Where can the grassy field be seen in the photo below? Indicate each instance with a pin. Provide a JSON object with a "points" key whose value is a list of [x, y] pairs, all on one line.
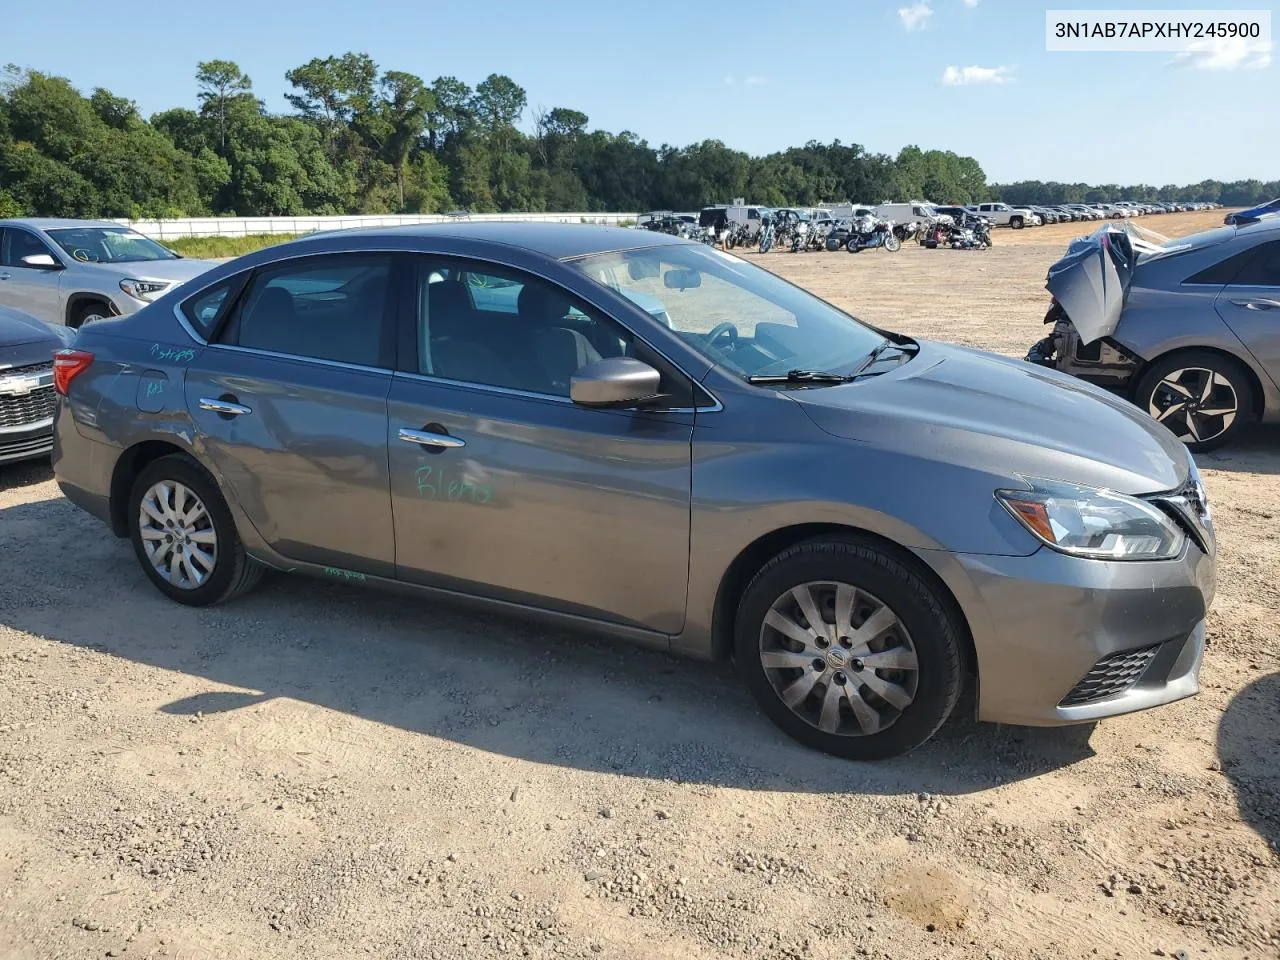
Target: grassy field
{"points": [[212, 248]]}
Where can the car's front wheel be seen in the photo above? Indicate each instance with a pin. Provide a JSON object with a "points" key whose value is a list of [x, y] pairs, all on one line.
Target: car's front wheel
{"points": [[1203, 397], [849, 650], [184, 536]]}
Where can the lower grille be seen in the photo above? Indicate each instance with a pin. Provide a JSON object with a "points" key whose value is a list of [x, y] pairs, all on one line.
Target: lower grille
{"points": [[21, 449], [27, 409], [1110, 676]]}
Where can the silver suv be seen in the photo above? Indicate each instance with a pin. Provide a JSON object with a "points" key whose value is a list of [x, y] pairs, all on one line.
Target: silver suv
{"points": [[76, 271]]}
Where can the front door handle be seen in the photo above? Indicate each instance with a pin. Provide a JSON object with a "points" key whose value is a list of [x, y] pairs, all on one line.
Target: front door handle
{"points": [[441, 441], [1258, 304], [224, 407]]}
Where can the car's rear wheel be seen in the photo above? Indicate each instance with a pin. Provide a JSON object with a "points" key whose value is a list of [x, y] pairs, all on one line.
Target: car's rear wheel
{"points": [[184, 536], [848, 650], [1203, 397], [1016, 223]]}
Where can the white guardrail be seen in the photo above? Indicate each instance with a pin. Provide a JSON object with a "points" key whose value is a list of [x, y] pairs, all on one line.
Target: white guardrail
{"points": [[246, 226]]}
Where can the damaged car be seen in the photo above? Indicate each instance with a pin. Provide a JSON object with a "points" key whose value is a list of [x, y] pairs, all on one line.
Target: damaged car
{"points": [[1186, 329]]}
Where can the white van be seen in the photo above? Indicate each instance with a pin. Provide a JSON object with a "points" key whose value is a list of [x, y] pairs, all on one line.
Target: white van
{"points": [[906, 212]]}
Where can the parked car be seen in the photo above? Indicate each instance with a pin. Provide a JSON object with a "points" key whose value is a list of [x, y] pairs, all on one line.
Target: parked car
{"points": [[1187, 332], [1268, 209], [1084, 212], [26, 384], [905, 212], [74, 272], [1003, 215], [766, 477]]}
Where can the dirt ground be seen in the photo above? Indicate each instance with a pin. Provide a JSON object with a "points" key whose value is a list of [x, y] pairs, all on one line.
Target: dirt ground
{"points": [[320, 772]]}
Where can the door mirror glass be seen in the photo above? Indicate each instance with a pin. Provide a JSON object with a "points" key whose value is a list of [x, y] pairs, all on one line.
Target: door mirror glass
{"points": [[41, 261], [614, 382]]}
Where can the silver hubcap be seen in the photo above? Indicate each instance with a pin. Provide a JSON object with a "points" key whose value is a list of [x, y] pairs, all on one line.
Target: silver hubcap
{"points": [[1195, 403], [177, 534], [839, 658]]}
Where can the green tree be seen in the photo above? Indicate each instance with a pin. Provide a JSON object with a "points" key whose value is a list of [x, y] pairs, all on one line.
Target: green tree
{"points": [[221, 82]]}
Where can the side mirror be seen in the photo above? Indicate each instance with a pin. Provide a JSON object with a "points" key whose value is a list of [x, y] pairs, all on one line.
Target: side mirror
{"points": [[614, 382], [41, 261]]}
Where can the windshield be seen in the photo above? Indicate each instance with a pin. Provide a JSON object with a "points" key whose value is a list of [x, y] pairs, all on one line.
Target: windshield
{"points": [[739, 316], [108, 245]]}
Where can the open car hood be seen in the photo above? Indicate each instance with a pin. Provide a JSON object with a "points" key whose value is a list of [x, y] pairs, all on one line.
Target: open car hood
{"points": [[1092, 280]]}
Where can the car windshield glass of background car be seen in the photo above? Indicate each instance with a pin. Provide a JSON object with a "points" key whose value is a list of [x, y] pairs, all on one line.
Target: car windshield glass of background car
{"points": [[740, 316], [107, 245]]}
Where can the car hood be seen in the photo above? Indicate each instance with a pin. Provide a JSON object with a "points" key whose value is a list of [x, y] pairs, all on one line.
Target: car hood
{"points": [[1005, 417], [25, 340], [175, 271], [18, 328], [1092, 280]]}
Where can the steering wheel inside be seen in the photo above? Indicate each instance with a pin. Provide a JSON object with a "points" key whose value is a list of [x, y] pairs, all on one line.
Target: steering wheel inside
{"points": [[725, 330]]}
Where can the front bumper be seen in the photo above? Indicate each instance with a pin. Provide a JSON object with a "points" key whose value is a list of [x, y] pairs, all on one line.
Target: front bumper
{"points": [[27, 442], [1063, 640]]}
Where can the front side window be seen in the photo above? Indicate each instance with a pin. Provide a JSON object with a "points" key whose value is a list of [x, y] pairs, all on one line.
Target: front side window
{"points": [[108, 245], [16, 244], [325, 308], [497, 328], [739, 316]]}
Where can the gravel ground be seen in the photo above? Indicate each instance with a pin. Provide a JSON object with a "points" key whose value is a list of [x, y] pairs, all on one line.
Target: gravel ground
{"points": [[320, 772]]}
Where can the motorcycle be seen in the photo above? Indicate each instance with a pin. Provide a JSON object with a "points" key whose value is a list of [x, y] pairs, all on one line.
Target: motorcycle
{"points": [[868, 232], [907, 231], [767, 236]]}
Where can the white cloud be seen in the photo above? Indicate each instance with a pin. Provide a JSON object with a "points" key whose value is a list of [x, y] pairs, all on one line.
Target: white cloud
{"points": [[963, 76], [754, 81], [915, 16], [1226, 53], [970, 3]]}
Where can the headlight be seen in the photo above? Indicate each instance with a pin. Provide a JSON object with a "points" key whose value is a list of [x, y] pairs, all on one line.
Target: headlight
{"points": [[1100, 524], [144, 289]]}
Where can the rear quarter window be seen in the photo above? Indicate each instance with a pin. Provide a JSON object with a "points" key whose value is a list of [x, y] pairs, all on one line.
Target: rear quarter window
{"points": [[205, 310]]}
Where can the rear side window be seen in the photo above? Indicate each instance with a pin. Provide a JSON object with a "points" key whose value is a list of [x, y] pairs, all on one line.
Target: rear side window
{"points": [[1251, 267], [325, 308], [209, 306], [1263, 270]]}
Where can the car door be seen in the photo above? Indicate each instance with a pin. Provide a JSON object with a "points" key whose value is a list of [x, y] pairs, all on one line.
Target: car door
{"points": [[33, 290], [501, 486], [1250, 305], [290, 402]]}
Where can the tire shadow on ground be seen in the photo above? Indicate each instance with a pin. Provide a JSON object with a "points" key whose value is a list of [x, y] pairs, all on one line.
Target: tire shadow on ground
{"points": [[1249, 752]]}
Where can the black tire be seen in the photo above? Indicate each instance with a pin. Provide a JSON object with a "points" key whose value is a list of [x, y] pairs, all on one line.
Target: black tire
{"points": [[234, 572], [88, 312], [853, 245], [1233, 383], [933, 629], [1016, 223]]}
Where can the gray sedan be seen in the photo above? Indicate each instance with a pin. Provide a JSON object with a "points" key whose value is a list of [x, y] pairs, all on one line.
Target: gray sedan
{"points": [[1187, 329], [487, 413]]}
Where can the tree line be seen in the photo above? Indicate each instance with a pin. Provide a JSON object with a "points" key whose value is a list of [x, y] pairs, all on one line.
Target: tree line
{"points": [[363, 140]]}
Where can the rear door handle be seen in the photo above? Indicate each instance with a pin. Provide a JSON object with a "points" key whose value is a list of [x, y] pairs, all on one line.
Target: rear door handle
{"points": [[224, 407], [1258, 304], [428, 439]]}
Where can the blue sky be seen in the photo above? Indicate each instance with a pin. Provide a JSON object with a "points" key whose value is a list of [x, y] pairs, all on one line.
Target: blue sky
{"points": [[757, 75]]}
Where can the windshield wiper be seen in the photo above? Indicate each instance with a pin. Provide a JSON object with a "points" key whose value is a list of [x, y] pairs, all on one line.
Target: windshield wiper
{"points": [[802, 376], [884, 347]]}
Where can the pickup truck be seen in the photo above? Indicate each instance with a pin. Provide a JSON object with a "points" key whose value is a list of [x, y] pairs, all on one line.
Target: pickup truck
{"points": [[1003, 215]]}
